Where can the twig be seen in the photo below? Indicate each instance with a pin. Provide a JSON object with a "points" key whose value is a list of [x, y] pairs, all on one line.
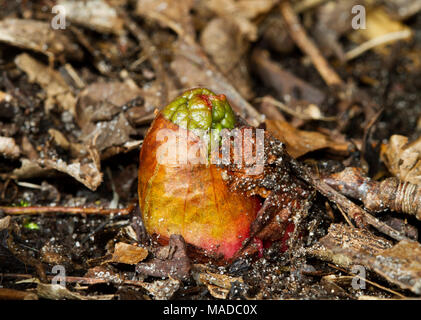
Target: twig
{"points": [[372, 43], [292, 112], [390, 193], [359, 215], [68, 210], [80, 280], [10, 294], [299, 35], [346, 217]]}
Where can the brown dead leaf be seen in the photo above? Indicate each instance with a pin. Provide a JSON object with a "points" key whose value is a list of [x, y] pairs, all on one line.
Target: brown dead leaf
{"points": [[334, 20], [97, 15], [224, 44], [242, 13], [403, 159], [86, 170], [171, 260], [57, 90], [38, 36], [300, 142], [128, 253], [167, 12]]}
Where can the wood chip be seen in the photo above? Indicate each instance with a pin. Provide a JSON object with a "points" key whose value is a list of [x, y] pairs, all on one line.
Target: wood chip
{"points": [[128, 253]]}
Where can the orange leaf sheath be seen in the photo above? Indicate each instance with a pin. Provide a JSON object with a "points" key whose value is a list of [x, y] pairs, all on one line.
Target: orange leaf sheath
{"points": [[191, 199]]}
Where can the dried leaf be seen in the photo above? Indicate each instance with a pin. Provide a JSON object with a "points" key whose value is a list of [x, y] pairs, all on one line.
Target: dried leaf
{"points": [[242, 13], [203, 275], [334, 19], [175, 263], [58, 91], [173, 11], [224, 44], [94, 14], [300, 142], [128, 253], [403, 159], [102, 120], [193, 69], [87, 172], [38, 36]]}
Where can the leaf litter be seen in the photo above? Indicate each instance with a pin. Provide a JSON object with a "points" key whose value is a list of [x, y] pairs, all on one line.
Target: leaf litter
{"points": [[76, 103]]}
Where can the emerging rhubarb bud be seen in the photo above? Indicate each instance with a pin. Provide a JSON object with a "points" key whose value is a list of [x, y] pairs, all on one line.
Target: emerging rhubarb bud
{"points": [[200, 109], [190, 198]]}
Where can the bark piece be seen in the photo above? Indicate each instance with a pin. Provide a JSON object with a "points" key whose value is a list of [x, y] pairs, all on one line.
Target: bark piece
{"points": [[377, 196], [343, 244], [399, 264]]}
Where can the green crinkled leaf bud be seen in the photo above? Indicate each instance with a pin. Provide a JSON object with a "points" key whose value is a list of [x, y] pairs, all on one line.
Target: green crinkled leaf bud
{"points": [[200, 109]]}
